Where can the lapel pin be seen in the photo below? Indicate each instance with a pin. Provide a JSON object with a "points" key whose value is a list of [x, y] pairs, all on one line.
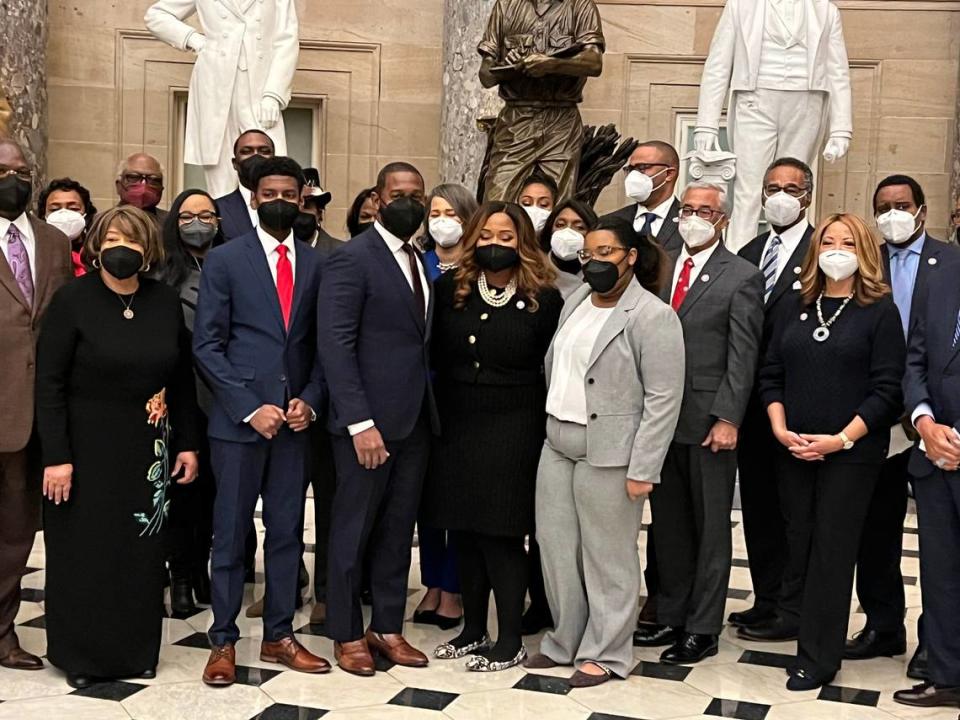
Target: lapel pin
{"points": [[521, 304], [705, 278], [803, 317], [796, 285], [932, 261], [796, 270]]}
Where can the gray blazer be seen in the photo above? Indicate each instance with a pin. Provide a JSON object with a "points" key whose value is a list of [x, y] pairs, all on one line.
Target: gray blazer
{"points": [[722, 318], [633, 383]]}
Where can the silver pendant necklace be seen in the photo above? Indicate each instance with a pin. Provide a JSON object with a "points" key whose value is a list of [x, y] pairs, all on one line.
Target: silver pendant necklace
{"points": [[127, 306], [823, 332]]}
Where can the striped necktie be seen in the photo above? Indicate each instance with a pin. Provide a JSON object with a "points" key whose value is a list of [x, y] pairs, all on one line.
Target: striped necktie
{"points": [[771, 259], [956, 332]]}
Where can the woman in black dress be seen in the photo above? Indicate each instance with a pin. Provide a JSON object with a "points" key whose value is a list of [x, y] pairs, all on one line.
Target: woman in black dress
{"points": [[831, 384], [494, 319], [116, 412]]}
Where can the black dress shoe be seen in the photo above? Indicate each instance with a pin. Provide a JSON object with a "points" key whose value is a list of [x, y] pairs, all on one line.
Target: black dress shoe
{"points": [[535, 620], [929, 695], [181, 596], [366, 597], [148, 674], [79, 682], [770, 631], [918, 669], [870, 643], [249, 575], [753, 616], [690, 648], [304, 576], [656, 636], [201, 585], [805, 680]]}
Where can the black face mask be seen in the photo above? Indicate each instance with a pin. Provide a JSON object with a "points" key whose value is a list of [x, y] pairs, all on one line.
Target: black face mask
{"points": [[568, 266], [305, 226], [121, 262], [496, 257], [601, 276], [360, 227], [278, 215], [14, 195], [245, 170], [403, 216]]}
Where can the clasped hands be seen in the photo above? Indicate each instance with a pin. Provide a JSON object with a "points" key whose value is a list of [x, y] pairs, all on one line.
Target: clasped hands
{"points": [[941, 443], [535, 65], [810, 447], [58, 479], [268, 419]]}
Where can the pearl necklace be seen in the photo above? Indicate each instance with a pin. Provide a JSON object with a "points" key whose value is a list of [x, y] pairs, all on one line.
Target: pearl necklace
{"points": [[492, 299], [444, 267]]}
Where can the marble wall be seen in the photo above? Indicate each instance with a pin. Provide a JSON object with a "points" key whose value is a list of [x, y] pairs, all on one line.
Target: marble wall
{"points": [[375, 66]]}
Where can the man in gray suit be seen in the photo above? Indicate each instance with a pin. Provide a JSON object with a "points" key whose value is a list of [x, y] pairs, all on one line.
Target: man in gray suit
{"points": [[719, 299]]}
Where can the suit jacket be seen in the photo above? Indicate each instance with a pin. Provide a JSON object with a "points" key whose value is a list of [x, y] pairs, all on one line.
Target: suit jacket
{"points": [[722, 319], [374, 342], [935, 255], [669, 236], [234, 215], [326, 243], [633, 383], [242, 350], [733, 63], [933, 366], [20, 327]]}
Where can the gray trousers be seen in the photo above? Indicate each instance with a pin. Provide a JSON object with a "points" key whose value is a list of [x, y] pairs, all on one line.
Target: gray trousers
{"points": [[691, 510], [588, 528]]}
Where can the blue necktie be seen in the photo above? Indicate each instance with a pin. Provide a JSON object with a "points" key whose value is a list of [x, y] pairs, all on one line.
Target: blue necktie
{"points": [[771, 258], [649, 219], [956, 332], [902, 287]]}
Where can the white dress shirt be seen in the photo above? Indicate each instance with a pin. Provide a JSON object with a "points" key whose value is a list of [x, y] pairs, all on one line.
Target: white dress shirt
{"points": [[699, 260], [247, 195], [789, 240], [395, 245], [22, 224], [567, 399], [660, 211]]}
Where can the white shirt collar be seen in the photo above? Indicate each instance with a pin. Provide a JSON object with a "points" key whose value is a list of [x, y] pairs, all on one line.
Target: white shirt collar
{"points": [[246, 194], [700, 259], [270, 243], [22, 223], [790, 237], [660, 210], [393, 242]]}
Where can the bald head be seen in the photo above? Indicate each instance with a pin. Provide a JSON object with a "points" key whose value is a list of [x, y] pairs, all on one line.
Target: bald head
{"points": [[11, 154], [142, 163]]}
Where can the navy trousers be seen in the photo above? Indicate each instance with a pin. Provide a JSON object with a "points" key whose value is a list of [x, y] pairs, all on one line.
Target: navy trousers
{"points": [[275, 470]]}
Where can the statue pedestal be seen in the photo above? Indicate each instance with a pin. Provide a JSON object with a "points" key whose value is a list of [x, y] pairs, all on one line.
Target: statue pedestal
{"points": [[714, 166]]}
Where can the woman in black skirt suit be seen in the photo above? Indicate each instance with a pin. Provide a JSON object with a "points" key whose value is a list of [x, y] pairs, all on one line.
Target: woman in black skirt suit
{"points": [[493, 322], [116, 413]]}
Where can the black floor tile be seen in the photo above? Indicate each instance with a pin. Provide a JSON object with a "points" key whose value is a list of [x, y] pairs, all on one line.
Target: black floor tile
{"points": [[909, 580], [289, 712], [605, 716], [29, 570], [854, 696], [910, 553], [116, 690], [31, 595], [310, 547], [767, 659], [254, 676], [740, 562], [382, 664], [544, 684], [737, 709], [37, 622], [738, 594], [424, 699], [197, 640], [661, 671]]}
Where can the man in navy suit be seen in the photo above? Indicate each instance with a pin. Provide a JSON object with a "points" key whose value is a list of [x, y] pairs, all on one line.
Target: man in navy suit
{"points": [[237, 216], [932, 393], [255, 344], [375, 310]]}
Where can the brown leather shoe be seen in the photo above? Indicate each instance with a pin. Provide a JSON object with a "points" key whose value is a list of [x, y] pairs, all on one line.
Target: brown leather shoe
{"points": [[318, 616], [354, 657], [221, 669], [20, 659], [287, 651], [396, 649], [255, 610]]}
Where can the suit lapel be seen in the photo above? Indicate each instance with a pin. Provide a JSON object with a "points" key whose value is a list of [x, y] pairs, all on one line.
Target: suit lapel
{"points": [[10, 282], [299, 279], [43, 257], [397, 278], [951, 326], [261, 269], [929, 263], [705, 279], [666, 292], [669, 236], [790, 275], [617, 320]]}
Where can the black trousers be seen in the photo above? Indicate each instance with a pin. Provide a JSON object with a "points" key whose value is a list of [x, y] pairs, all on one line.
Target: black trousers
{"points": [[763, 524], [499, 564], [375, 512], [879, 580], [938, 517], [190, 526], [824, 505], [323, 479]]}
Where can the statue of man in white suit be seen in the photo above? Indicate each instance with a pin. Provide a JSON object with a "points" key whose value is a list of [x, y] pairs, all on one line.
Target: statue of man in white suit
{"points": [[246, 58], [784, 65]]}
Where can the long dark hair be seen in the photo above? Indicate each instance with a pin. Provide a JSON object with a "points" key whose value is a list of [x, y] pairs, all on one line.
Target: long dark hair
{"points": [[353, 214], [178, 261], [651, 264], [582, 209]]}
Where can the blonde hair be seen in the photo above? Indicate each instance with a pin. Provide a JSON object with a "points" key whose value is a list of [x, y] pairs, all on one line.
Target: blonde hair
{"points": [[133, 222], [868, 284]]}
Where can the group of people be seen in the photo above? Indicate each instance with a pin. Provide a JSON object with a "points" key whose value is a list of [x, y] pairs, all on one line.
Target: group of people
{"points": [[508, 380]]}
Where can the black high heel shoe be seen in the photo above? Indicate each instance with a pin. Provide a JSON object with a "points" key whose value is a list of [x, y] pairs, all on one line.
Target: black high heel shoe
{"points": [[80, 682]]}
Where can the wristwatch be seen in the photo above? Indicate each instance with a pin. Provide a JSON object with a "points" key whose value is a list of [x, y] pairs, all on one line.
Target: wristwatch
{"points": [[847, 442]]}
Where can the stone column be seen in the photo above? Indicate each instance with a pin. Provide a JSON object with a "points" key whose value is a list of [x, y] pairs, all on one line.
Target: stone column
{"points": [[955, 175], [465, 101], [23, 77]]}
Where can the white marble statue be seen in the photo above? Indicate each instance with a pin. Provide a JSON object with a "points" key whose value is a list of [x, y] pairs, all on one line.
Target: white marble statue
{"points": [[784, 65], [246, 57]]}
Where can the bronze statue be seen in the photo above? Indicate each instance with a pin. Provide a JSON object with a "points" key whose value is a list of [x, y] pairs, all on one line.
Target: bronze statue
{"points": [[5, 114], [540, 53]]}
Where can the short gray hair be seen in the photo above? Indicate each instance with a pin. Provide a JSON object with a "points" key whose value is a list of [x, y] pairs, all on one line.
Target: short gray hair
{"points": [[123, 167], [796, 164], [704, 185]]}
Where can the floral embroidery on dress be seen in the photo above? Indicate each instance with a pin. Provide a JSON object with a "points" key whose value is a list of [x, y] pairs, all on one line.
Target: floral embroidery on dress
{"points": [[158, 473]]}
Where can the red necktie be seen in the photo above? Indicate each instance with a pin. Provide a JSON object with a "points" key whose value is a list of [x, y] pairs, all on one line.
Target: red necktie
{"points": [[284, 283], [683, 284]]}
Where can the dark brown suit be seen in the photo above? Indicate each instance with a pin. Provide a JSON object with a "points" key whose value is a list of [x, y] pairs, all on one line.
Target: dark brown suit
{"points": [[19, 491]]}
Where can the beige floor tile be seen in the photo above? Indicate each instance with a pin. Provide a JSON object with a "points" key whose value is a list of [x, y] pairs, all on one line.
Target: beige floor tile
{"points": [[334, 691], [195, 700], [643, 697], [752, 683], [22, 685], [62, 708], [823, 710], [384, 712], [515, 704]]}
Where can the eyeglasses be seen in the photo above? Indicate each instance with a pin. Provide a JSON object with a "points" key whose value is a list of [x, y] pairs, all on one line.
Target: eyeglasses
{"points": [[604, 251], [643, 167], [132, 178], [792, 190], [206, 216], [25, 174], [704, 212]]}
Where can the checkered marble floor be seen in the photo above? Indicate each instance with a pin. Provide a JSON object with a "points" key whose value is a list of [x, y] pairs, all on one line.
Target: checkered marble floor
{"points": [[745, 680]]}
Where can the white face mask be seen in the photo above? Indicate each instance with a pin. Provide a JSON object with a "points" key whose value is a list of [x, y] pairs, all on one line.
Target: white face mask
{"points": [[538, 216], [695, 231], [838, 264], [566, 243], [639, 187], [782, 209], [897, 226], [69, 222], [445, 231]]}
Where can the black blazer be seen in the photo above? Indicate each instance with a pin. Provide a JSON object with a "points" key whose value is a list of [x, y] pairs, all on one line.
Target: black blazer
{"points": [[933, 257], [374, 343], [669, 236], [234, 215]]}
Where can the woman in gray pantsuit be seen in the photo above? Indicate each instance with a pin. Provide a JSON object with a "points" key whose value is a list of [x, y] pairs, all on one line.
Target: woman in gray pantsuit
{"points": [[615, 382]]}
